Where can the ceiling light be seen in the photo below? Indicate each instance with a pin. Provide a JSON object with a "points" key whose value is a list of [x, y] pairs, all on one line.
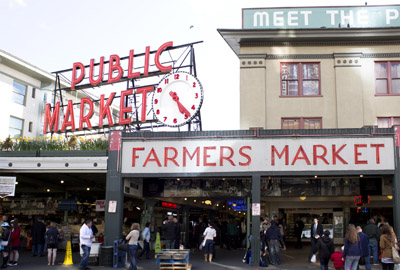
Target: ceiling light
{"points": [[138, 208], [48, 190], [208, 202], [303, 198], [223, 179], [87, 189], [178, 179], [315, 176], [361, 175], [389, 197], [16, 183], [62, 181], [194, 200], [185, 199]]}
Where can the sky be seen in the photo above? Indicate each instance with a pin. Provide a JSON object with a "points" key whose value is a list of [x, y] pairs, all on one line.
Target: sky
{"points": [[52, 35]]}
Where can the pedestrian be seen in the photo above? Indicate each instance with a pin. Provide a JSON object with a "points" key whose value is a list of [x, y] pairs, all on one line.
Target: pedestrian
{"points": [[133, 237], [38, 231], [232, 232], [169, 229], [364, 248], [146, 241], [52, 243], [274, 241], [336, 257], [177, 232], [352, 248], [86, 239], [15, 242], [298, 231], [316, 232], [325, 249], [374, 234], [6, 236], [209, 234], [386, 242]]}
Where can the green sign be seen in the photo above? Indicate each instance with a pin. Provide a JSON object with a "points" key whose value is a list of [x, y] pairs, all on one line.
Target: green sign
{"points": [[322, 17]]}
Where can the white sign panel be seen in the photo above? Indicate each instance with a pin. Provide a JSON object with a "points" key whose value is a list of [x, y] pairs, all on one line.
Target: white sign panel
{"points": [[255, 209], [112, 206], [251, 155], [7, 186]]}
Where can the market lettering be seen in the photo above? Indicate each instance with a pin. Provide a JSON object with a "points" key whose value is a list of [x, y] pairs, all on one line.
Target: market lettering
{"points": [[176, 157], [279, 18]]}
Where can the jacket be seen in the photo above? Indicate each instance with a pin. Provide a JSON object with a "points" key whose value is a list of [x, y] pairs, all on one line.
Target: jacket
{"points": [[337, 259], [16, 237], [169, 229], [319, 231], [38, 231], [6, 236], [386, 245], [373, 232], [85, 234], [351, 249], [325, 247], [52, 233], [364, 243], [273, 233]]}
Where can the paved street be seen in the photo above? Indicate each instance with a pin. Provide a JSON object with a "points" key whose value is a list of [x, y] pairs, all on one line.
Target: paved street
{"points": [[290, 259]]}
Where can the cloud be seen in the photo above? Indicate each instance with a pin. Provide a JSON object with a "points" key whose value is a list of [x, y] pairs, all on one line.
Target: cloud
{"points": [[20, 3]]}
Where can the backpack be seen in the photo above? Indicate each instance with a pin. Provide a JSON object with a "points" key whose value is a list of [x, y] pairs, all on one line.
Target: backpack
{"points": [[51, 240]]}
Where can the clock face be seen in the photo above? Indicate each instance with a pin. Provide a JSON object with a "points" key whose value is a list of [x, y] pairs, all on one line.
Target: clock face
{"points": [[177, 99]]}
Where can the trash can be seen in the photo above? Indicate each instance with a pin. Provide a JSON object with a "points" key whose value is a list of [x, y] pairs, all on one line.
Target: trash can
{"points": [[106, 256]]}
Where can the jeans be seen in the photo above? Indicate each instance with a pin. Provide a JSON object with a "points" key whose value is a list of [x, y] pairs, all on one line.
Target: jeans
{"points": [[367, 260], [132, 252], [374, 247], [350, 263], [85, 257], [324, 263], [146, 249], [39, 248], [274, 252], [170, 244], [209, 247]]}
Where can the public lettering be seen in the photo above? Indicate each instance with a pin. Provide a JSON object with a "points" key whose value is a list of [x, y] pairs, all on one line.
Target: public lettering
{"points": [[173, 158], [248, 157], [85, 118], [301, 154], [228, 158], [152, 157], [377, 153], [69, 112], [357, 154], [51, 120], [105, 110], [322, 156], [134, 156], [186, 153], [206, 156], [123, 109], [335, 154], [284, 151]]}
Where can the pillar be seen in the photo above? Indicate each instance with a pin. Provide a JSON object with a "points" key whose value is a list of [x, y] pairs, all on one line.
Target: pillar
{"points": [[255, 211], [114, 192], [248, 226], [396, 184]]}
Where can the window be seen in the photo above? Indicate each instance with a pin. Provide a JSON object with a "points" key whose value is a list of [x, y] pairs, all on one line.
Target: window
{"points": [[33, 92], [301, 123], [30, 126], [387, 78], [300, 79], [19, 92], [387, 122], [16, 127]]}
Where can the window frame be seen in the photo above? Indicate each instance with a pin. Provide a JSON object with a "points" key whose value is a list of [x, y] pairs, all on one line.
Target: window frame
{"points": [[16, 93], [22, 128], [390, 118], [300, 79], [301, 121], [388, 78]]}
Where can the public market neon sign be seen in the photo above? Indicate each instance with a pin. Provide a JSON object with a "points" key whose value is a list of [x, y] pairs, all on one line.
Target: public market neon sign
{"points": [[115, 73]]}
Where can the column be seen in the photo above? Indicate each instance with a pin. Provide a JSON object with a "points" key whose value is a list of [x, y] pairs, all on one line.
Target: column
{"points": [[255, 229], [396, 184], [114, 193]]}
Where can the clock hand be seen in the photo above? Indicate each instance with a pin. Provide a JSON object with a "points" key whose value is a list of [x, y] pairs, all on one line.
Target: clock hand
{"points": [[181, 108]]}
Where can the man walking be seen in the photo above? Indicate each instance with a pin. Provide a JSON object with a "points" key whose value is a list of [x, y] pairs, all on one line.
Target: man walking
{"points": [[274, 240], [298, 231], [146, 241], [373, 233], [85, 239], [169, 230], [316, 232], [38, 231], [364, 248]]}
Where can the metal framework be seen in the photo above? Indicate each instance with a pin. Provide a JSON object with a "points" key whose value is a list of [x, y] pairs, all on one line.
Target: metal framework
{"points": [[182, 58]]}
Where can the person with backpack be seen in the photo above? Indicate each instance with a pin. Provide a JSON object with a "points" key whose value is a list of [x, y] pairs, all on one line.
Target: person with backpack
{"points": [[52, 243], [325, 249]]}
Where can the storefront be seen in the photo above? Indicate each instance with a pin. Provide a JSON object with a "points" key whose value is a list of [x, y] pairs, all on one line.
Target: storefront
{"points": [[322, 173]]}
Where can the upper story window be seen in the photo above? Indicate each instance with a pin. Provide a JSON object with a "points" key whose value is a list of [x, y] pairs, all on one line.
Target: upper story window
{"points": [[300, 79], [387, 122], [19, 93], [16, 127], [301, 123], [387, 78]]}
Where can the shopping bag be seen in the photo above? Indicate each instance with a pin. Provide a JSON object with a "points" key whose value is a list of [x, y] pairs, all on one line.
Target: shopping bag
{"points": [[397, 267], [123, 246], [314, 258], [396, 257]]}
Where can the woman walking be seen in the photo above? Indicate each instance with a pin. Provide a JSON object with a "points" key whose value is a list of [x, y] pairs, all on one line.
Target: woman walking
{"points": [[15, 242], [352, 248], [209, 235], [325, 248], [133, 237], [52, 243], [6, 237], [386, 242]]}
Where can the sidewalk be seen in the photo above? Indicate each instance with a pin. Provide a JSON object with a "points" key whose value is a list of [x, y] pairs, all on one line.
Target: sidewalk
{"points": [[226, 260]]}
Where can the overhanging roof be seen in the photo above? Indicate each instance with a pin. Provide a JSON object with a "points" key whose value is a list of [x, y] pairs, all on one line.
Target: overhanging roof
{"points": [[239, 37]]}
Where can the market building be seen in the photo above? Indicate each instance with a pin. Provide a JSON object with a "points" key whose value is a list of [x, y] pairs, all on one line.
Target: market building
{"points": [[318, 114]]}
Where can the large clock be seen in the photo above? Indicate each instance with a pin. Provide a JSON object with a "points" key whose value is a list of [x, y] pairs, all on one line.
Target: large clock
{"points": [[177, 99]]}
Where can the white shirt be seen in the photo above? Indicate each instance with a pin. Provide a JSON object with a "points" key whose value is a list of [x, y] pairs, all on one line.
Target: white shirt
{"points": [[84, 235], [146, 234], [210, 233]]}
